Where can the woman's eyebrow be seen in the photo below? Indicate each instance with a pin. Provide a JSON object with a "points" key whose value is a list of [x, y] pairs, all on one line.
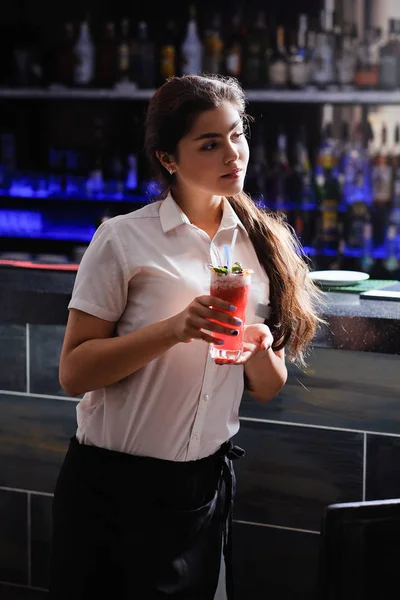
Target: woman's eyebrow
{"points": [[210, 134]]}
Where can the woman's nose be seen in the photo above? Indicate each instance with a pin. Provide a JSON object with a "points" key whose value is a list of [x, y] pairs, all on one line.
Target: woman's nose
{"points": [[231, 154]]}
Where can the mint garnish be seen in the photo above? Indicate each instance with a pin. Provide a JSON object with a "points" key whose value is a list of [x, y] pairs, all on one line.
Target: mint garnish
{"points": [[237, 269]]}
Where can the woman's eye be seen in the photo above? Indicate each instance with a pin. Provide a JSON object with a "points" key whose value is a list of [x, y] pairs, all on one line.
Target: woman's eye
{"points": [[210, 146], [238, 135]]}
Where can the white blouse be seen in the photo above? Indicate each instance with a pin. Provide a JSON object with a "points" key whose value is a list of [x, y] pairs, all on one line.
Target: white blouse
{"points": [[141, 268]]}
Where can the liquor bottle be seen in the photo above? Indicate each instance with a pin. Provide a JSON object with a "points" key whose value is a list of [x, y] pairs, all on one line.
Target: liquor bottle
{"points": [[213, 47], [64, 58], [329, 194], [131, 178], [357, 190], [397, 50], [278, 67], [392, 241], [258, 169], [106, 58], [367, 260], [124, 62], [280, 174], [299, 71], [367, 76], [132, 166], [192, 46], [233, 59], [257, 52], [327, 153], [310, 50], [343, 152], [84, 53], [329, 234], [346, 57], [143, 58], [323, 66], [382, 178], [396, 154], [302, 191], [168, 52], [388, 60]]}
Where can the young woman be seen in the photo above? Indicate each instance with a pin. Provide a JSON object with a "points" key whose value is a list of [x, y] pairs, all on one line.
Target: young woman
{"points": [[143, 501]]}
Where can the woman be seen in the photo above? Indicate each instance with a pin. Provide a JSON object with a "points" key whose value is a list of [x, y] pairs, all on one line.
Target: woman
{"points": [[143, 496]]}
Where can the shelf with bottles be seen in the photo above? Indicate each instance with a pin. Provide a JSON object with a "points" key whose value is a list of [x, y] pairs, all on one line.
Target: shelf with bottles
{"points": [[305, 59], [50, 188], [304, 96], [95, 168], [344, 203]]}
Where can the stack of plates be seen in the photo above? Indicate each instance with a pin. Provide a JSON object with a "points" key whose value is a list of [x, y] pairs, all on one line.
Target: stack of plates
{"points": [[338, 278]]}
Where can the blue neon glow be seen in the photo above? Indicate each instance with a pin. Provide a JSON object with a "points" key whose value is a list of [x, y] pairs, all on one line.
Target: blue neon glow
{"points": [[19, 191]]}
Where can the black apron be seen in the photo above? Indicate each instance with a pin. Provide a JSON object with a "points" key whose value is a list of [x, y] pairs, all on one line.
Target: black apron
{"points": [[138, 528]]}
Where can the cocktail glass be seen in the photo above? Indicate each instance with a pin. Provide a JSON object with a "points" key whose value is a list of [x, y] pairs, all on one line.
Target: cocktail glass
{"points": [[235, 289]]}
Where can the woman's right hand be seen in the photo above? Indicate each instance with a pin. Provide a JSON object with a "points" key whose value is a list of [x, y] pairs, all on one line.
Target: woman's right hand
{"points": [[192, 322]]}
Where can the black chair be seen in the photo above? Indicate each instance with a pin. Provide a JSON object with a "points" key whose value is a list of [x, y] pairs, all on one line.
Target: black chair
{"points": [[359, 555]]}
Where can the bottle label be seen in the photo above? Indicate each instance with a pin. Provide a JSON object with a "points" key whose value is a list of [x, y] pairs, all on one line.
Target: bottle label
{"points": [[191, 61], [233, 62], [326, 161], [381, 183], [358, 215], [167, 61], [84, 67], [278, 73], [123, 57], [214, 46], [366, 78], [329, 220], [346, 70], [323, 64], [388, 72], [299, 74]]}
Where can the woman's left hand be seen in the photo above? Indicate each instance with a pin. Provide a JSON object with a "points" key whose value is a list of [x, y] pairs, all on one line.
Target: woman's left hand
{"points": [[256, 338]]}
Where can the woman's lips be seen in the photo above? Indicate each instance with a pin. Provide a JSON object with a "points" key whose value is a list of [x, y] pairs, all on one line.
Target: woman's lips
{"points": [[235, 174]]}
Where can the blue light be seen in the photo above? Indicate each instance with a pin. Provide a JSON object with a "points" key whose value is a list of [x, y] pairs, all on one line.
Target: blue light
{"points": [[51, 189], [32, 224]]}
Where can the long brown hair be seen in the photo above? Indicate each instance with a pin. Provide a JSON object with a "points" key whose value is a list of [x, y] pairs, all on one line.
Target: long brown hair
{"points": [[294, 298]]}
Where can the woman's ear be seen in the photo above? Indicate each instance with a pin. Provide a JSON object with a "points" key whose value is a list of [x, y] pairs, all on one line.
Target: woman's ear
{"points": [[166, 161]]}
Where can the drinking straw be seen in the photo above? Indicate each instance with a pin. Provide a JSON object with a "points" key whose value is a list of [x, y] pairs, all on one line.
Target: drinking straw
{"points": [[227, 257], [230, 254]]}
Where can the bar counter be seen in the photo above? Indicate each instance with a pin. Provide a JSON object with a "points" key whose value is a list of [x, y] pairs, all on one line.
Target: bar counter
{"points": [[331, 435], [40, 296]]}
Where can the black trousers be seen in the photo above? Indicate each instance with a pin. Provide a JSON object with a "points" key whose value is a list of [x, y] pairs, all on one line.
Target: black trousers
{"points": [[129, 527]]}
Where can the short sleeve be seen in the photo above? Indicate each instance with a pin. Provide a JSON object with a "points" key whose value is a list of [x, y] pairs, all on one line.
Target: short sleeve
{"points": [[101, 284]]}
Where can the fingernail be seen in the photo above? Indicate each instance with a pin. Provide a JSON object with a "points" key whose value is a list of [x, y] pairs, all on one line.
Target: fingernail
{"points": [[234, 332], [232, 308], [238, 321], [220, 342]]}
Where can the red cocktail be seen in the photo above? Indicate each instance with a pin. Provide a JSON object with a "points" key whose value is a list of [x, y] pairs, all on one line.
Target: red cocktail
{"points": [[233, 287]]}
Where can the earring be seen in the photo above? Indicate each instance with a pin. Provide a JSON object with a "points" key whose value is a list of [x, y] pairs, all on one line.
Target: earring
{"points": [[171, 171]]}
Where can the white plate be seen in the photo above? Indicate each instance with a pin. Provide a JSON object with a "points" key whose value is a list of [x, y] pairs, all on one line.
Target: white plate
{"points": [[338, 278]]}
